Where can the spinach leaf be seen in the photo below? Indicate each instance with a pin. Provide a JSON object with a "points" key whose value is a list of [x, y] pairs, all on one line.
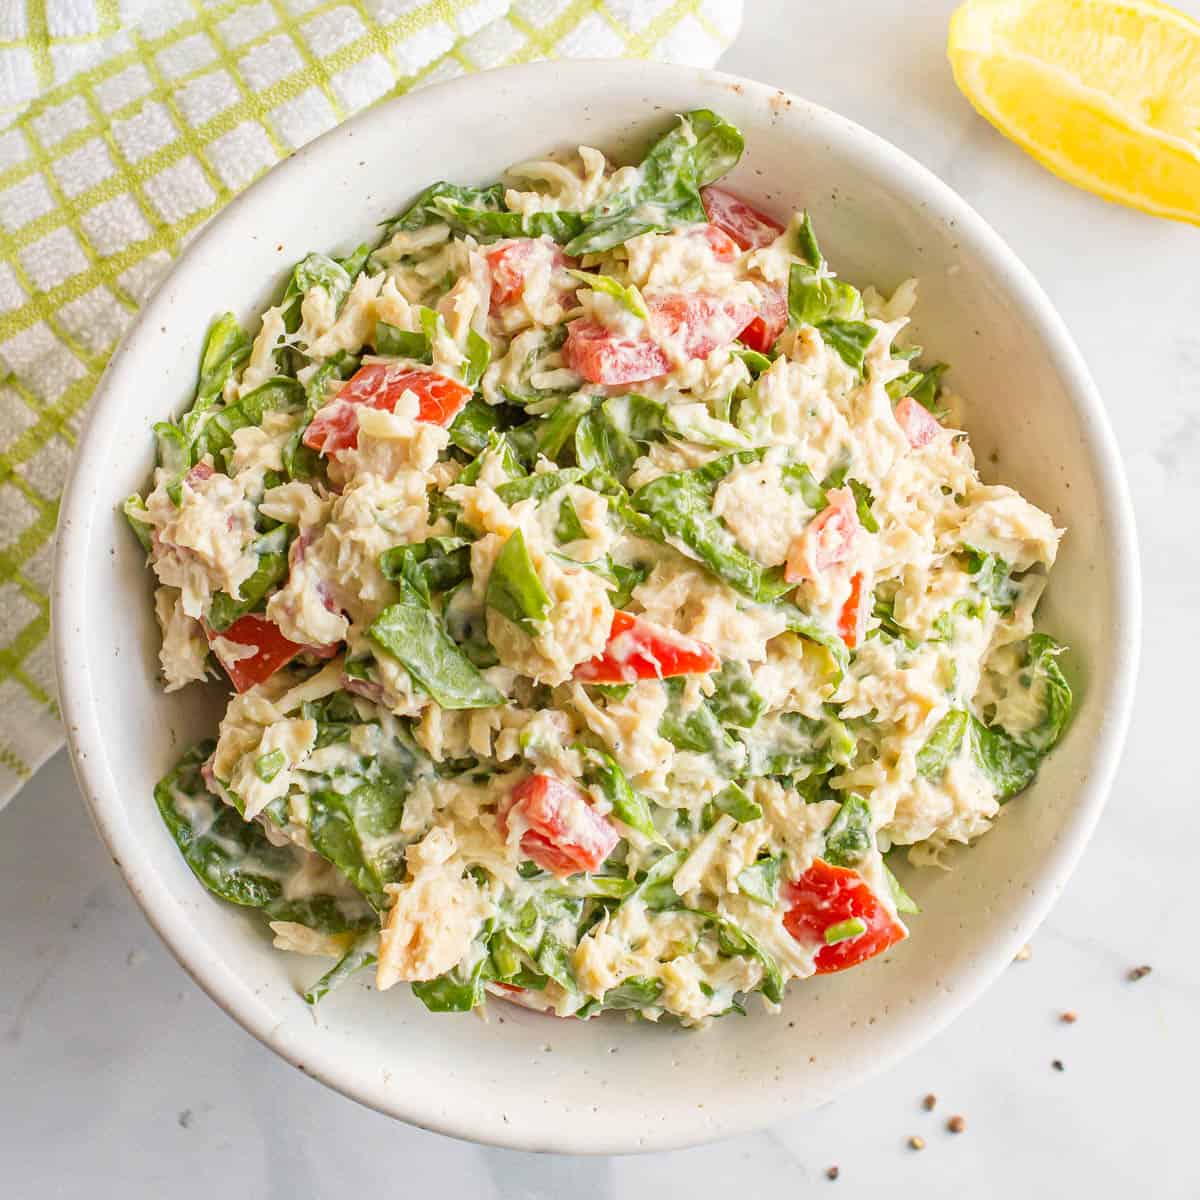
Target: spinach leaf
{"points": [[1042, 675], [850, 339], [793, 745], [798, 478], [551, 433], [434, 565], [678, 508], [349, 829], [940, 748], [848, 839], [863, 500], [466, 623], [236, 861], [225, 349], [923, 386], [459, 990], [735, 702], [806, 243], [319, 270], [1008, 764], [411, 632], [393, 342], [281, 394], [568, 528], [475, 361], [489, 225], [992, 578], [272, 569], [600, 445], [635, 992], [514, 589], [697, 730], [736, 803], [756, 362], [422, 211], [360, 955], [760, 881], [498, 444], [174, 457], [602, 771], [816, 297], [135, 510], [629, 298], [666, 190], [539, 485], [736, 942], [476, 420]]}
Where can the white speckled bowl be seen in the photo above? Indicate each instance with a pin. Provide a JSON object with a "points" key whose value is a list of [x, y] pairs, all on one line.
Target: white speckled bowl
{"points": [[525, 1080]]}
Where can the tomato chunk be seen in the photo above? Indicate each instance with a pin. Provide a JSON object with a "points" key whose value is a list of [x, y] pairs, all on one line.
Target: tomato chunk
{"points": [[770, 322], [919, 424], [825, 897], [828, 539], [271, 650], [694, 324], [638, 649], [747, 226], [380, 385], [563, 833], [513, 262], [852, 621]]}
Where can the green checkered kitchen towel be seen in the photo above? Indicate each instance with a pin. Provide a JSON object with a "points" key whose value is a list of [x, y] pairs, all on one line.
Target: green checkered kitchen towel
{"points": [[124, 125]]}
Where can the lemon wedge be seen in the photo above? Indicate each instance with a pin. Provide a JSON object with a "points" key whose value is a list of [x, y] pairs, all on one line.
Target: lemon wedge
{"points": [[1105, 93]]}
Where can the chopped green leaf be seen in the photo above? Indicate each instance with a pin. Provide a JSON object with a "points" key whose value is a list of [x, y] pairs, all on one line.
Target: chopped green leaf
{"points": [[848, 840], [760, 881], [412, 633], [514, 589]]}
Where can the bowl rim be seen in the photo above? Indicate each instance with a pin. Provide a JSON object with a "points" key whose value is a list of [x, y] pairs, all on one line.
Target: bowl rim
{"points": [[237, 997]]}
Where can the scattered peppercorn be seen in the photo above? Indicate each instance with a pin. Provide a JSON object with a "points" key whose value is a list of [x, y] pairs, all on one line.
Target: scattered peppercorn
{"points": [[833, 1173], [956, 1124], [929, 1103], [1057, 1064], [916, 1143], [1138, 973], [1069, 1017], [1024, 954]]}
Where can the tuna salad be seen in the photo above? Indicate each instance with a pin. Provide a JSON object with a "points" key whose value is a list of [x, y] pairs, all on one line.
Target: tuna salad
{"points": [[606, 592]]}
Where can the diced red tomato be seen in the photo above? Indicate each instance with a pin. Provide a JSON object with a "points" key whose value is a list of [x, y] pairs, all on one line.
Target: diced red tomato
{"points": [[271, 650], [604, 357], [380, 385], [563, 834], [852, 621], [919, 424], [693, 323], [723, 247], [638, 649], [512, 263], [747, 226], [828, 539], [825, 896], [770, 322]]}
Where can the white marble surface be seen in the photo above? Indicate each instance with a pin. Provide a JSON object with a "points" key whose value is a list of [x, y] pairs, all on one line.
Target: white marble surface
{"points": [[117, 1077]]}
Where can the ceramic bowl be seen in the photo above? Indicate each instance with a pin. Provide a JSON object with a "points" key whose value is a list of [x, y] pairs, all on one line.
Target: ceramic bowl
{"points": [[521, 1079]]}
